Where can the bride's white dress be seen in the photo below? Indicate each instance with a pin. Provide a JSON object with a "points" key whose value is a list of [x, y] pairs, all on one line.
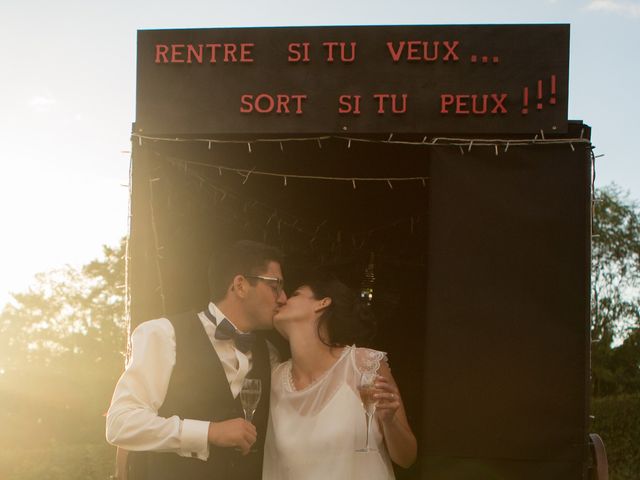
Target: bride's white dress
{"points": [[313, 433]]}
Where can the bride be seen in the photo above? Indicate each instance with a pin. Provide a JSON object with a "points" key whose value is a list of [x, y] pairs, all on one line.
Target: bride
{"points": [[317, 421]]}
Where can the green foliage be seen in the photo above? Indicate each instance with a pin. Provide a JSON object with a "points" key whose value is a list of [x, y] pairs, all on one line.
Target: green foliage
{"points": [[67, 312], [61, 348], [615, 288], [617, 421]]}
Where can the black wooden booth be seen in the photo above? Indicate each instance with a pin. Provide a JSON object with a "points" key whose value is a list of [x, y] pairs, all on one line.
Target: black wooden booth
{"points": [[478, 243]]}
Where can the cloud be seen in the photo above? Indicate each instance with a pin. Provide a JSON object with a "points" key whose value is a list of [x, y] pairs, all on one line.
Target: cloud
{"points": [[621, 7], [41, 103]]}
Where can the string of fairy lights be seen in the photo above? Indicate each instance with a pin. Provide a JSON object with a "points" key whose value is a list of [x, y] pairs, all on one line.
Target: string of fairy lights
{"points": [[245, 173], [464, 145], [468, 143], [279, 218], [275, 217]]}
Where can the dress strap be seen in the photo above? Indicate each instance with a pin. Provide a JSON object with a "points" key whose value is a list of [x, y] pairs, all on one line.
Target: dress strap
{"points": [[368, 360]]}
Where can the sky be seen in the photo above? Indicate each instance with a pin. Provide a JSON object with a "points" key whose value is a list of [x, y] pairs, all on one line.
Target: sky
{"points": [[67, 100]]}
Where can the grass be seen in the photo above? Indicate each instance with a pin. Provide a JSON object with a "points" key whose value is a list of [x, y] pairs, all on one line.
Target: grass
{"points": [[58, 462]]}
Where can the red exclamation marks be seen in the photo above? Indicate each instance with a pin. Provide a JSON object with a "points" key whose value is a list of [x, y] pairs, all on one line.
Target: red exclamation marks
{"points": [[539, 104], [553, 88]]}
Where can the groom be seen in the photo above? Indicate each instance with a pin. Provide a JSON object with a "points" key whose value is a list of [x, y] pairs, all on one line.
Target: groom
{"points": [[177, 406]]}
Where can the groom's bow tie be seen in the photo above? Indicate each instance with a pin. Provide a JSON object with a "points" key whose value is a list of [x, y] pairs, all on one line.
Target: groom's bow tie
{"points": [[226, 331]]}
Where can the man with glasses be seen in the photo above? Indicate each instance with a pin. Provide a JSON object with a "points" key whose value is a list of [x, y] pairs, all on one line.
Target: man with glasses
{"points": [[177, 405]]}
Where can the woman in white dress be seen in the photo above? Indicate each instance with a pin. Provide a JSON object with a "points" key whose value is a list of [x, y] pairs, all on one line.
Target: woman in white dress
{"points": [[317, 421]]}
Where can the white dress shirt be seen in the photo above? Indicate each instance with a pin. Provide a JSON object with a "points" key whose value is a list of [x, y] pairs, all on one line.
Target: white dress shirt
{"points": [[133, 422]]}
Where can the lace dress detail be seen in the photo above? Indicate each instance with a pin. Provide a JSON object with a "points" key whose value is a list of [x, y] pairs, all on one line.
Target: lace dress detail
{"points": [[313, 433], [287, 377], [368, 361]]}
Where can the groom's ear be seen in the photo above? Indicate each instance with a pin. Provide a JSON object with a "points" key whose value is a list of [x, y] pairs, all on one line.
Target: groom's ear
{"points": [[239, 286], [322, 304]]}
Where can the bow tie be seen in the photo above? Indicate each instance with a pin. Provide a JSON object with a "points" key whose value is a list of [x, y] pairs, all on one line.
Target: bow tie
{"points": [[226, 331]]}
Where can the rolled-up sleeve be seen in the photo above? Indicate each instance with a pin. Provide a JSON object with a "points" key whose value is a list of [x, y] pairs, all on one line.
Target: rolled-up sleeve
{"points": [[133, 422]]}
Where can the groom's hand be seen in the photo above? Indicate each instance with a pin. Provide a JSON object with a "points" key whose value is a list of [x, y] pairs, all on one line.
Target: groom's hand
{"points": [[233, 433]]}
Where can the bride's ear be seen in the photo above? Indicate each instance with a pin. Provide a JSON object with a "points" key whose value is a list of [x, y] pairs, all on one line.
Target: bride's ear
{"points": [[322, 304]]}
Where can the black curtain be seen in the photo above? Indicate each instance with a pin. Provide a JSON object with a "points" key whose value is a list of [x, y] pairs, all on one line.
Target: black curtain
{"points": [[507, 336]]}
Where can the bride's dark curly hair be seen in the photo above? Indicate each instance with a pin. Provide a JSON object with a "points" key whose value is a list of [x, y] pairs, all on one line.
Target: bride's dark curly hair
{"points": [[347, 320]]}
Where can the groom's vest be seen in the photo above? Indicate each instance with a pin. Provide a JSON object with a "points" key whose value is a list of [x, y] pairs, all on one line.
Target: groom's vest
{"points": [[199, 390]]}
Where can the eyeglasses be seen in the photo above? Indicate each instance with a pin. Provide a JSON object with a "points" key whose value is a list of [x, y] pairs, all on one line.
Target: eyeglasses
{"points": [[277, 288]]}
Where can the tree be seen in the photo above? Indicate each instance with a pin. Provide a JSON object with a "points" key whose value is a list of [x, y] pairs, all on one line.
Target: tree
{"points": [[615, 288], [68, 312], [61, 350]]}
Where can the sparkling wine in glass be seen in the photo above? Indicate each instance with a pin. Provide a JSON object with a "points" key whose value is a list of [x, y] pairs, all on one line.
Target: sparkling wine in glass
{"points": [[250, 396], [367, 390]]}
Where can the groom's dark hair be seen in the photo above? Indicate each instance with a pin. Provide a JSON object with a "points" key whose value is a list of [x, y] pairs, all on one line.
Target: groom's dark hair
{"points": [[244, 257]]}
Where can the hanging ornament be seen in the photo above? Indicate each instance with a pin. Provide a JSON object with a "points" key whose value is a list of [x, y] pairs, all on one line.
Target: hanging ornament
{"points": [[366, 287]]}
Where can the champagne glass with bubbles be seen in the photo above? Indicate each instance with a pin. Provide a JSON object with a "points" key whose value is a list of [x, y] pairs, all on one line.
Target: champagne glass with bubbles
{"points": [[367, 389], [250, 396]]}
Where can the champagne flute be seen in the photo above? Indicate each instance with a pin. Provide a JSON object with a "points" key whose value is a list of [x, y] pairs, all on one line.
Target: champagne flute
{"points": [[367, 389], [250, 396]]}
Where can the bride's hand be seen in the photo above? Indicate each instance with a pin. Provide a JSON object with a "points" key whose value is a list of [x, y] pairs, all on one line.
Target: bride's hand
{"points": [[388, 399]]}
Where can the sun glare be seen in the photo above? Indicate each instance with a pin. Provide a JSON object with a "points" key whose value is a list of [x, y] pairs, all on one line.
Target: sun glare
{"points": [[55, 219]]}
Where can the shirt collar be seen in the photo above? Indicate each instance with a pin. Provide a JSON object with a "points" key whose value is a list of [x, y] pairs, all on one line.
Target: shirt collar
{"points": [[217, 313]]}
